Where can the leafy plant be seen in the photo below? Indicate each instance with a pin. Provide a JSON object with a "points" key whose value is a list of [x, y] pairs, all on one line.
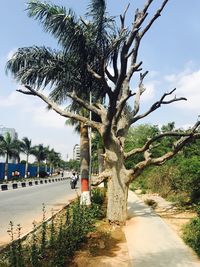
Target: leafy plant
{"points": [[191, 234], [34, 257], [98, 196], [44, 233], [151, 202]]}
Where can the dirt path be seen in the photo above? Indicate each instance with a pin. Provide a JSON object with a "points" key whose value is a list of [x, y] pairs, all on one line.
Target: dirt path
{"points": [[106, 247]]}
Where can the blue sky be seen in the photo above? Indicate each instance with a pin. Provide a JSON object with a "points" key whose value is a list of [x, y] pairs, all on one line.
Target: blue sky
{"points": [[170, 51]]}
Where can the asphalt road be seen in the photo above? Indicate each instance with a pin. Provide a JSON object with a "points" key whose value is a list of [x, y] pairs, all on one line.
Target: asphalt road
{"points": [[24, 205]]}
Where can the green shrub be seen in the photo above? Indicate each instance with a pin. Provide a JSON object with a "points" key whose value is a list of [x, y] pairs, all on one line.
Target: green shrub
{"points": [[98, 196], [197, 209], [150, 202], [143, 191], [191, 234], [180, 199], [190, 177], [53, 245]]}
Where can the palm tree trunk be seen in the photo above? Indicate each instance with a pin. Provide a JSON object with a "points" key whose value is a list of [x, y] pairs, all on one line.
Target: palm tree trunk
{"points": [[26, 168], [46, 166], [38, 169], [85, 160], [6, 168]]}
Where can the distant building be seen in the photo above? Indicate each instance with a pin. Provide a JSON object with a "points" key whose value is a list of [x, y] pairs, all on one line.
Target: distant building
{"points": [[13, 134], [11, 131], [76, 152]]}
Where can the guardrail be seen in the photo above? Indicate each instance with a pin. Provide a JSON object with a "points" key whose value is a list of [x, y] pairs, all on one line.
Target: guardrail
{"points": [[28, 183]]}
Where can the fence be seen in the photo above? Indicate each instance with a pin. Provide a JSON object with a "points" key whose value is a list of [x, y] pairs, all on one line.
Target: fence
{"points": [[20, 168]]}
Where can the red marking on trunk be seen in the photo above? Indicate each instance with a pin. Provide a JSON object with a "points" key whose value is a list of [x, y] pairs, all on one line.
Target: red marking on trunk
{"points": [[84, 184]]}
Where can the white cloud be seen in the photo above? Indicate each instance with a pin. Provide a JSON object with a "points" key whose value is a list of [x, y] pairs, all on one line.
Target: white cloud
{"points": [[29, 116], [188, 85], [35, 108], [14, 99], [47, 119]]}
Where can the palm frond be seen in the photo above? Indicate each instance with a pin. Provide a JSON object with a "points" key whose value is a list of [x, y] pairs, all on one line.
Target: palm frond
{"points": [[40, 66], [61, 23], [102, 23]]}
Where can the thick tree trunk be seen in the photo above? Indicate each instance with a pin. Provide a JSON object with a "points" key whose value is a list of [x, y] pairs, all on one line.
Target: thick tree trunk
{"points": [[117, 183], [117, 197]]}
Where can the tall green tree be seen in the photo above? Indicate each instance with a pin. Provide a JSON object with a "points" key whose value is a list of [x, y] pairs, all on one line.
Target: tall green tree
{"points": [[10, 149], [39, 152], [90, 47], [53, 159], [28, 150]]}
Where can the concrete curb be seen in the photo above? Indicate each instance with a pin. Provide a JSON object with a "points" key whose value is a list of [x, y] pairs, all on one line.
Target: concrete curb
{"points": [[28, 183]]}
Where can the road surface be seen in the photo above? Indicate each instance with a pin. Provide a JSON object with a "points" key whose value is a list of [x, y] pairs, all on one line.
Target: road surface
{"points": [[24, 205]]}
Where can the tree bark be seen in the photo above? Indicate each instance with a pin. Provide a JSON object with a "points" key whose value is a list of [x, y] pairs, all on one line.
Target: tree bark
{"points": [[117, 183], [84, 162], [117, 197]]}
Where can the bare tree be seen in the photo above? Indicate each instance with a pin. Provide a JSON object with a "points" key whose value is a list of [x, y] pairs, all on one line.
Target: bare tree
{"points": [[116, 48]]}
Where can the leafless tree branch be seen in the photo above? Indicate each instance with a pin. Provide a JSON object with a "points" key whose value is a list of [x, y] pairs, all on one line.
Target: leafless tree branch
{"points": [[156, 15], [140, 17], [95, 75], [121, 105], [30, 91], [110, 77], [83, 103], [123, 16], [100, 178], [157, 105], [177, 146], [141, 90], [156, 138]]}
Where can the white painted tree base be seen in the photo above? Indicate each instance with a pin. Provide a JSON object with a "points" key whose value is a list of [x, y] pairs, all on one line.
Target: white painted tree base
{"points": [[85, 198]]}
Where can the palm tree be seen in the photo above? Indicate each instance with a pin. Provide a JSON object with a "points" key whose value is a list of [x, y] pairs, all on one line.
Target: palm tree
{"points": [[40, 153], [40, 66], [9, 148], [53, 158], [68, 71], [85, 156], [65, 70], [28, 150]]}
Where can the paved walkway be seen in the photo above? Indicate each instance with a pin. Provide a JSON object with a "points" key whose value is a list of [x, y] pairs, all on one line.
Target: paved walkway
{"points": [[151, 242]]}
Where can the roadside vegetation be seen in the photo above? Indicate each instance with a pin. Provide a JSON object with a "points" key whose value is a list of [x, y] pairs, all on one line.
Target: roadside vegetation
{"points": [[93, 66], [177, 181], [54, 243]]}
